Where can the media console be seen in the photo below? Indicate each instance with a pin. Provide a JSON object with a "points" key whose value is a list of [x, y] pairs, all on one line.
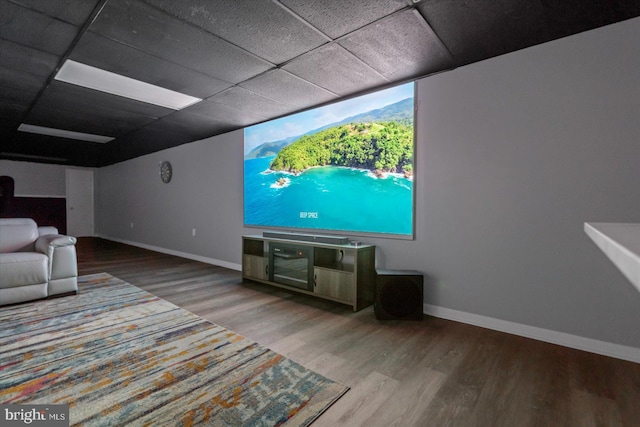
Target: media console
{"points": [[342, 272]]}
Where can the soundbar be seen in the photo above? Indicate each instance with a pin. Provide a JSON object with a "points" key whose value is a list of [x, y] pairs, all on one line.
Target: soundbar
{"points": [[316, 238]]}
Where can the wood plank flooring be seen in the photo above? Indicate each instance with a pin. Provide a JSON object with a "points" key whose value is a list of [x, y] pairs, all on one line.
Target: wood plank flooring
{"points": [[401, 373]]}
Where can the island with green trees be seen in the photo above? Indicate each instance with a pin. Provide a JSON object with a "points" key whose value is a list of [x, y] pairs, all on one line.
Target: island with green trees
{"points": [[381, 147]]}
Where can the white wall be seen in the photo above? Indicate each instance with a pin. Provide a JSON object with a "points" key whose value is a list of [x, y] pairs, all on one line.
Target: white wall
{"points": [[35, 179], [205, 193], [514, 154]]}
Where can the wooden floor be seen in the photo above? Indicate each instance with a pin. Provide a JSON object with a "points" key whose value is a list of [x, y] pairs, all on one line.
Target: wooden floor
{"points": [[401, 373]]}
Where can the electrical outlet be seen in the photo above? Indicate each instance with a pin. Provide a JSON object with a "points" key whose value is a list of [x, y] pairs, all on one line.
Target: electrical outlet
{"points": [[131, 225], [193, 232]]}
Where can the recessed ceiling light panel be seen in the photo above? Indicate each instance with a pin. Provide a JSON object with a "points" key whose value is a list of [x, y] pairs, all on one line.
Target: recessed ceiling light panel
{"points": [[105, 81], [64, 133]]}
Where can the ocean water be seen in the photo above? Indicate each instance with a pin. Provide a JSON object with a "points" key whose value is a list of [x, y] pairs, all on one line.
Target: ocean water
{"points": [[329, 197]]}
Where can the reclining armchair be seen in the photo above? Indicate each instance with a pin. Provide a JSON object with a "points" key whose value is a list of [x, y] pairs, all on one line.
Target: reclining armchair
{"points": [[35, 262]]}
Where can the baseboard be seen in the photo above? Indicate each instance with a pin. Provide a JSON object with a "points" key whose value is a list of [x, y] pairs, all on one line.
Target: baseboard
{"points": [[206, 260], [618, 351]]}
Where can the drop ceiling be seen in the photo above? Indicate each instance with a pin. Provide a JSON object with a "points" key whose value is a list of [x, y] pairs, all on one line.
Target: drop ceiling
{"points": [[247, 60]]}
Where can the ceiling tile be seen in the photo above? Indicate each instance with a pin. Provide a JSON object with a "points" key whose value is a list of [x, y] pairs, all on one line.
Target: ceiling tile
{"points": [[69, 151], [339, 17], [259, 26], [27, 60], [565, 17], [289, 89], [19, 87], [400, 46], [249, 102], [66, 95], [70, 107], [23, 72], [145, 140], [93, 121], [251, 60], [75, 12], [135, 144], [113, 56], [335, 69], [476, 30], [187, 126], [150, 30], [223, 113], [11, 114], [34, 29]]}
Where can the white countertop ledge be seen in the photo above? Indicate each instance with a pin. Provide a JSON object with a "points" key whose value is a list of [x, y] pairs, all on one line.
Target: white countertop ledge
{"points": [[621, 243]]}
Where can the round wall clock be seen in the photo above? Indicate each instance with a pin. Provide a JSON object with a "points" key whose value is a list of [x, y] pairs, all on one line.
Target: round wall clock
{"points": [[165, 172]]}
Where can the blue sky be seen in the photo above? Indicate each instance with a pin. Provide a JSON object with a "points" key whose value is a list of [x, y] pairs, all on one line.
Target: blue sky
{"points": [[300, 123]]}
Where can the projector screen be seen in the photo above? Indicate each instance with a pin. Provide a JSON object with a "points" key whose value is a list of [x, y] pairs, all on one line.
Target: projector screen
{"points": [[345, 167]]}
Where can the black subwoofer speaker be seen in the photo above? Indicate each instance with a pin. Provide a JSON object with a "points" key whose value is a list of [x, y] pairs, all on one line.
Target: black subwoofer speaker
{"points": [[399, 295]]}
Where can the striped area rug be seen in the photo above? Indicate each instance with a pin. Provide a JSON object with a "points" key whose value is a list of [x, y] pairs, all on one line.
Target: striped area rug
{"points": [[120, 356]]}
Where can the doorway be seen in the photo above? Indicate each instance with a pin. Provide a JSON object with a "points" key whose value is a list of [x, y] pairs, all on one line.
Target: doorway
{"points": [[79, 188]]}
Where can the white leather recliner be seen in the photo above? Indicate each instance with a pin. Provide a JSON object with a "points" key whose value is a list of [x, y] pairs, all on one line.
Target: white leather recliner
{"points": [[35, 262]]}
